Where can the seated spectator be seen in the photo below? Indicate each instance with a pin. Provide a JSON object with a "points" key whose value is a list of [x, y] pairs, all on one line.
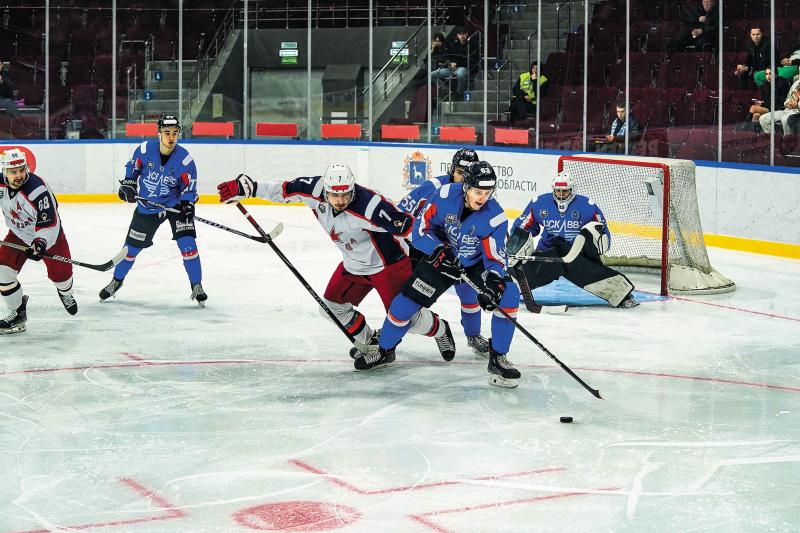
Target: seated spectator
{"points": [[702, 25], [440, 64], [523, 102], [790, 108], [7, 101], [758, 58], [788, 69], [463, 57], [614, 142]]}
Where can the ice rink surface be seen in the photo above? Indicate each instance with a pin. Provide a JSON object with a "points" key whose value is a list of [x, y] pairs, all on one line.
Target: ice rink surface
{"points": [[147, 414]]}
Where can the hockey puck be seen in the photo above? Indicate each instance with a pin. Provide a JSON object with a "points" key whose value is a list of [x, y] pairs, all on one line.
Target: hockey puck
{"points": [[565, 419]]}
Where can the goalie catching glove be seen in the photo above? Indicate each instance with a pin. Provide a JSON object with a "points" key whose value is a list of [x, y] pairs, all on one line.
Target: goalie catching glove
{"points": [[493, 288], [444, 262], [232, 191]]}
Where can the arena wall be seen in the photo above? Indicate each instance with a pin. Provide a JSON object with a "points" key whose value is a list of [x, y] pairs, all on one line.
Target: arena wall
{"points": [[743, 207]]}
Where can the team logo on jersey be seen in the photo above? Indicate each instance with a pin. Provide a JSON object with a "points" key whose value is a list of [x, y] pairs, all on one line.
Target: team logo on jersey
{"points": [[450, 219], [150, 165], [335, 237], [575, 214], [416, 169], [543, 213], [321, 208]]}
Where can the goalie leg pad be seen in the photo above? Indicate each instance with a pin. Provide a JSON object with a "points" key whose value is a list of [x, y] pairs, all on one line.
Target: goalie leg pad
{"points": [[598, 279]]}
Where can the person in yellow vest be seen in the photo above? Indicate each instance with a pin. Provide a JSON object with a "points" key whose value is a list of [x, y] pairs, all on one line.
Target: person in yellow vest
{"points": [[525, 94]]}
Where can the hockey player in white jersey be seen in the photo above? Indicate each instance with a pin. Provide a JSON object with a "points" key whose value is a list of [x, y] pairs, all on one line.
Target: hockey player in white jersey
{"points": [[31, 214], [369, 231]]}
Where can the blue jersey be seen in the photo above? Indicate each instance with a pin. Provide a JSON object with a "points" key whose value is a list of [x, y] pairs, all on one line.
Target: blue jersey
{"points": [[415, 201], [169, 184], [543, 212], [480, 236]]}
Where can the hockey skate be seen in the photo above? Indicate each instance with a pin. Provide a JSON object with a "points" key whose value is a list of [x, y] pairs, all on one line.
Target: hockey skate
{"points": [[198, 294], [110, 289], [69, 301], [355, 353], [502, 372], [446, 343], [479, 345], [628, 302], [379, 359], [15, 322]]}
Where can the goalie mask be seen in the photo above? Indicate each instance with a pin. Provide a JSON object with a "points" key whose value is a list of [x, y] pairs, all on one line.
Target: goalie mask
{"points": [[339, 180], [563, 191]]}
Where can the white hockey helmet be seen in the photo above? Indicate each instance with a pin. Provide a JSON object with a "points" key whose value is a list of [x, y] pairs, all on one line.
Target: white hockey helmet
{"points": [[338, 178], [563, 190], [13, 158]]}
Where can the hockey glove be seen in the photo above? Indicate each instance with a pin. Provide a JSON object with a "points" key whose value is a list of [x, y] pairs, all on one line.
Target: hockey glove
{"points": [[127, 190], [238, 189], [493, 288], [37, 248], [187, 211], [597, 242], [516, 243], [443, 261]]}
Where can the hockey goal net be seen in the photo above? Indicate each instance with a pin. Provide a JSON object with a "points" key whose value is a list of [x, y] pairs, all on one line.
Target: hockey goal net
{"points": [[651, 209]]}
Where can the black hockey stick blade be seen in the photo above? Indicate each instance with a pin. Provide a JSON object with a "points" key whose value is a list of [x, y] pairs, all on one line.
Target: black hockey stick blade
{"points": [[527, 296], [537, 258], [256, 238]]}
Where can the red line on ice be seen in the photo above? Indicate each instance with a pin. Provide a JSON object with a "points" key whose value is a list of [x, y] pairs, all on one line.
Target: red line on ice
{"points": [[172, 512], [728, 307], [352, 488], [152, 363]]}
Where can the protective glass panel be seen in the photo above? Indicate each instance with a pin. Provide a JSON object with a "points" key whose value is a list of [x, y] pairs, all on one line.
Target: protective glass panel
{"points": [[22, 69], [277, 63]]}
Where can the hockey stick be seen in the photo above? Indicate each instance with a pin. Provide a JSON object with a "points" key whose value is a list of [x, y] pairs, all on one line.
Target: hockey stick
{"points": [[574, 252], [101, 267], [527, 296], [297, 274], [595, 392], [212, 223]]}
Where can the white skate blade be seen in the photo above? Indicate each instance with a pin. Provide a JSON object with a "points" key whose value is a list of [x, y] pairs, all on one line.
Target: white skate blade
{"points": [[500, 381], [16, 329]]}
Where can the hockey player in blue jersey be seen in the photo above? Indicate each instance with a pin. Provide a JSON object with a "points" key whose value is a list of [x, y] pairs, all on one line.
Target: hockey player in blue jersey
{"points": [[461, 231], [413, 204], [163, 172], [370, 233], [573, 228]]}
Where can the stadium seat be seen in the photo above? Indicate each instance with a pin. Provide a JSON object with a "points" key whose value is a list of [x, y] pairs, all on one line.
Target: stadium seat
{"points": [[511, 136], [457, 134], [141, 129], [340, 131], [399, 132], [276, 129], [212, 129]]}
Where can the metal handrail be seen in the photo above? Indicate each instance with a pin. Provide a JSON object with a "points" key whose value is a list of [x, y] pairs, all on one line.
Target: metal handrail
{"points": [[469, 40], [497, 76], [535, 32], [558, 21], [395, 55], [202, 66]]}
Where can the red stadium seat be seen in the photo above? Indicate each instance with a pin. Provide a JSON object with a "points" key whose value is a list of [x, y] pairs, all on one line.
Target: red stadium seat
{"points": [[340, 131], [400, 132], [141, 129], [511, 136], [212, 129], [276, 129], [457, 134]]}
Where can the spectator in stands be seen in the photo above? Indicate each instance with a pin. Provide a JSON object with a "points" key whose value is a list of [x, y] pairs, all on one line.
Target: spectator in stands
{"points": [[702, 24], [790, 108], [758, 58], [440, 65], [614, 142], [787, 70], [526, 89], [463, 56], [7, 101]]}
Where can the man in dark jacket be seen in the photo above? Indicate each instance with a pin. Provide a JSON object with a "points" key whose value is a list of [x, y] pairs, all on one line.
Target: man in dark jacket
{"points": [[7, 94], [464, 57], [702, 24], [614, 142], [758, 58]]}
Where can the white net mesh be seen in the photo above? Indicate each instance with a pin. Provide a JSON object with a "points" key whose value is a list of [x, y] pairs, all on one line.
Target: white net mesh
{"points": [[630, 192]]}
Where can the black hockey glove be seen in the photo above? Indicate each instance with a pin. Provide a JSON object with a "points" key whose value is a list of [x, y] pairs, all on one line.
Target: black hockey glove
{"points": [[493, 288], [443, 261], [127, 190], [37, 248], [187, 211]]}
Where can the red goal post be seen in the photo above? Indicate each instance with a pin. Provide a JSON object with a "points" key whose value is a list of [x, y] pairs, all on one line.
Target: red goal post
{"points": [[652, 212]]}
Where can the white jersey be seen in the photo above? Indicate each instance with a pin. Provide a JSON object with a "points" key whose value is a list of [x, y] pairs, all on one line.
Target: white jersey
{"points": [[30, 211], [369, 233]]}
